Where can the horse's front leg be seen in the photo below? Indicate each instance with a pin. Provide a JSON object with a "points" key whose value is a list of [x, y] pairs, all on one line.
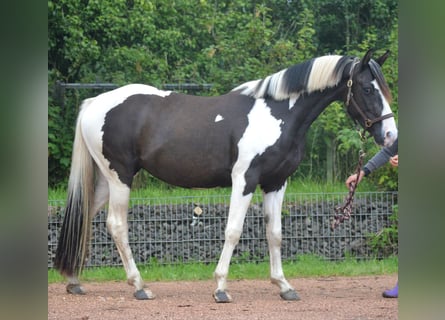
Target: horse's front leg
{"points": [[237, 213], [273, 202]]}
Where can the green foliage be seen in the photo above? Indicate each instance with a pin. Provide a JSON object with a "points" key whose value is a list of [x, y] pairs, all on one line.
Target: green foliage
{"points": [[59, 145], [343, 24], [220, 42], [385, 242]]}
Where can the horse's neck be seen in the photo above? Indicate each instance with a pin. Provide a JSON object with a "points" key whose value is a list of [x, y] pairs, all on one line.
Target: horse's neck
{"points": [[309, 107]]}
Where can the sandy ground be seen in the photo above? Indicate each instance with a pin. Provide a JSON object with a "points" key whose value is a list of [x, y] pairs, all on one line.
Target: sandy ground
{"points": [[354, 298]]}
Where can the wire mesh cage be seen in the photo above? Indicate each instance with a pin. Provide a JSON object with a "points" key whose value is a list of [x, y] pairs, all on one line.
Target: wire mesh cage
{"points": [[189, 229]]}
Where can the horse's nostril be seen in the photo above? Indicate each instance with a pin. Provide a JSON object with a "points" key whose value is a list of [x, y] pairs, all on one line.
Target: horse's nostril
{"points": [[388, 134]]}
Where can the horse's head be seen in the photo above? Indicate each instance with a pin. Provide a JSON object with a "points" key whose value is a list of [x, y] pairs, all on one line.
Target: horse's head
{"points": [[368, 99]]}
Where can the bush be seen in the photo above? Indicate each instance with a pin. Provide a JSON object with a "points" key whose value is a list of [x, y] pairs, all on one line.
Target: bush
{"points": [[385, 242]]}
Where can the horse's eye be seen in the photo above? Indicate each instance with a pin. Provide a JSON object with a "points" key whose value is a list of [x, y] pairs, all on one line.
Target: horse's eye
{"points": [[367, 90]]}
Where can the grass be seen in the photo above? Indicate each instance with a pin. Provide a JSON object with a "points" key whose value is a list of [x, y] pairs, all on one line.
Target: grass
{"points": [[162, 190], [305, 266]]}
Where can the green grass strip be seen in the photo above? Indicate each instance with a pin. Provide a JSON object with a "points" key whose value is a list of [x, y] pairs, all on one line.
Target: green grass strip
{"points": [[304, 266], [162, 190]]}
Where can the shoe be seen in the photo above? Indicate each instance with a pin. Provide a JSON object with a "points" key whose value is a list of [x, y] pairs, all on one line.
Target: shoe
{"points": [[392, 293]]}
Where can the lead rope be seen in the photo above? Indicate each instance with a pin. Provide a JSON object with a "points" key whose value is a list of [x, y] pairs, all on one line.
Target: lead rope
{"points": [[344, 212]]}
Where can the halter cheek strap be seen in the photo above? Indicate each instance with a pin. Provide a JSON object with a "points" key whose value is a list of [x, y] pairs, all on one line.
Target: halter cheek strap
{"points": [[350, 98]]}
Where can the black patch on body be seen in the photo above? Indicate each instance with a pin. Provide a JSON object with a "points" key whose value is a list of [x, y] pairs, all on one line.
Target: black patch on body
{"points": [[176, 138]]}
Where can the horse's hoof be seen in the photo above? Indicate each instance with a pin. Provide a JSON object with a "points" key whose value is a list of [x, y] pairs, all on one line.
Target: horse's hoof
{"points": [[75, 289], [222, 297], [290, 295], [143, 295]]}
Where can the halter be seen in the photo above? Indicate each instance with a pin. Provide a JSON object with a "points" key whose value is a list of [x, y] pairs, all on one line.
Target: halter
{"points": [[350, 98]]}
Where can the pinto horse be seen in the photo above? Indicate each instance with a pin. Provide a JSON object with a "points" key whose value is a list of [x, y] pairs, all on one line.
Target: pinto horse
{"points": [[253, 135]]}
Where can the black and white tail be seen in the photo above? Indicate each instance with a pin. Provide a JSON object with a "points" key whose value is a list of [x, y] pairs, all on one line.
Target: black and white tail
{"points": [[74, 236]]}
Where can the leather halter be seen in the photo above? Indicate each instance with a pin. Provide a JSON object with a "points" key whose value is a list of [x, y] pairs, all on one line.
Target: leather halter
{"points": [[350, 100]]}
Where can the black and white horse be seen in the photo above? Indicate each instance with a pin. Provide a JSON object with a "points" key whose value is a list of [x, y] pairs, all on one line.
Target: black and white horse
{"points": [[254, 135]]}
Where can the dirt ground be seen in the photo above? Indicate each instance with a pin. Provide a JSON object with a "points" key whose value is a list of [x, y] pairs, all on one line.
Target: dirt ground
{"points": [[343, 298]]}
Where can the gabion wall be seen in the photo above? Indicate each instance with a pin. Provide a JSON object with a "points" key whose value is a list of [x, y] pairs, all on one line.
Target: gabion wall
{"points": [[185, 229]]}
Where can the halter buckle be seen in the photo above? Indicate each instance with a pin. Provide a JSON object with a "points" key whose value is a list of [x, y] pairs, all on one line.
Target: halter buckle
{"points": [[368, 123], [349, 83]]}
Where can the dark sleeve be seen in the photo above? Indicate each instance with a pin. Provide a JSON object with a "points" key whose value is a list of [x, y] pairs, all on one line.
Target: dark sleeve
{"points": [[381, 157]]}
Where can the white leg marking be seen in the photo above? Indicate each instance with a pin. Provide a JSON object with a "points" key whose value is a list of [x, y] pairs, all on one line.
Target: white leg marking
{"points": [[118, 227], [235, 221], [101, 192], [273, 202], [73, 280]]}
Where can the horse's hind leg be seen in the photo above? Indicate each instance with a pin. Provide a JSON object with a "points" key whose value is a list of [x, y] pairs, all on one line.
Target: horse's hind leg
{"points": [[100, 198], [273, 202], [118, 226]]}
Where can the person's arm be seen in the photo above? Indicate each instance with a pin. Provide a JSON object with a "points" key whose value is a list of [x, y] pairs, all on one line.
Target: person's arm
{"points": [[380, 158]]}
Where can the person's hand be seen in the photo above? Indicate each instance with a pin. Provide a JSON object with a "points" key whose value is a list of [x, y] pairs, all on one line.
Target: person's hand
{"points": [[352, 179], [394, 160]]}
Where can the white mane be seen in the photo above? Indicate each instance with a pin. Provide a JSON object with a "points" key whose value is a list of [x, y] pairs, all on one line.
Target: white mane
{"points": [[312, 75]]}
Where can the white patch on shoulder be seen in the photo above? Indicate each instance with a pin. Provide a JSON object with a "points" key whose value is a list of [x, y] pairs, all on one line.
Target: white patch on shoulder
{"points": [[219, 118], [262, 131]]}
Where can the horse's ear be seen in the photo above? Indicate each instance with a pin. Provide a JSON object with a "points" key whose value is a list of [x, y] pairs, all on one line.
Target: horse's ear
{"points": [[383, 58], [364, 62]]}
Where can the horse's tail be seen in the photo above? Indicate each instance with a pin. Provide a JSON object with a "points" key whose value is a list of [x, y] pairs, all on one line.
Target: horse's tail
{"points": [[75, 233]]}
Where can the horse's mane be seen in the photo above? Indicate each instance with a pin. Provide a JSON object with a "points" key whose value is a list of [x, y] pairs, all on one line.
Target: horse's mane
{"points": [[312, 75], [378, 75]]}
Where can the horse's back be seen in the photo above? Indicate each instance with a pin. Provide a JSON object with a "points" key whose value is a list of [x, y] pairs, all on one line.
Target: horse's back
{"points": [[115, 97]]}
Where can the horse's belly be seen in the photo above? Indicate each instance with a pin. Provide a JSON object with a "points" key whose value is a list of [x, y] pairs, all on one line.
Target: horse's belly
{"points": [[192, 169]]}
